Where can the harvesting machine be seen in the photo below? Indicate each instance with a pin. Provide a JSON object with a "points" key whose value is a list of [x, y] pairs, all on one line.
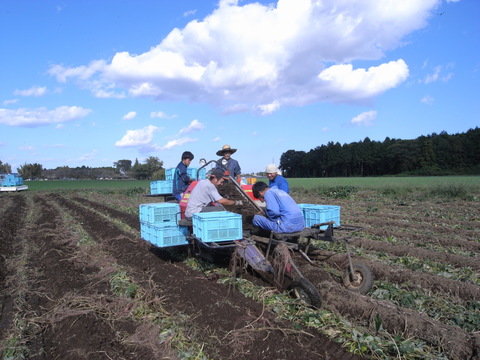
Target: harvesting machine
{"points": [[226, 237]]}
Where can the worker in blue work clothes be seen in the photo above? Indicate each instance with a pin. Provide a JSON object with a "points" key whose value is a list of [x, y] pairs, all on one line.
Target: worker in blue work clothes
{"points": [[275, 179], [181, 180], [282, 214], [226, 160]]}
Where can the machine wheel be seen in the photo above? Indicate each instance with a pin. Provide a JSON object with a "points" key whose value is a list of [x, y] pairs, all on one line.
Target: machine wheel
{"points": [[305, 291], [360, 279]]}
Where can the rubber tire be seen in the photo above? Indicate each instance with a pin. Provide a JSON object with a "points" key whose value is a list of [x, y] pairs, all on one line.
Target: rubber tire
{"points": [[366, 278], [306, 291]]}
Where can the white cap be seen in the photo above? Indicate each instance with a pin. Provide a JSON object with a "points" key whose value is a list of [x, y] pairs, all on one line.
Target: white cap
{"points": [[271, 169]]}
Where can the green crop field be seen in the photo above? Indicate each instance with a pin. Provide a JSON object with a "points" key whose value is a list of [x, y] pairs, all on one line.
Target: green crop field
{"points": [[60, 185], [382, 182], [306, 183]]}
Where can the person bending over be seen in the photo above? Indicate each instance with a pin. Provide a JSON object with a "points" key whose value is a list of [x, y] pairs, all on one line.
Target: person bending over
{"points": [[282, 214], [205, 196]]}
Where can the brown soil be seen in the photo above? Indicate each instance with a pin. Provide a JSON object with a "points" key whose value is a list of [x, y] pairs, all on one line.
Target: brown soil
{"points": [[415, 279], [57, 297], [70, 312]]}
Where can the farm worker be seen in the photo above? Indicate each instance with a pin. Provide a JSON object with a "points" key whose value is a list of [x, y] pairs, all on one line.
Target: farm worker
{"points": [[275, 179], [181, 180], [230, 164], [282, 214], [205, 196]]}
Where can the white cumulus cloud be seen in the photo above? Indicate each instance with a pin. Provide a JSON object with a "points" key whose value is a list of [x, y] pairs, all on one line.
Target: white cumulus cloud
{"points": [[41, 116], [33, 91], [177, 142], [195, 125], [260, 58], [161, 115], [365, 118], [9, 102], [130, 115], [139, 137]]}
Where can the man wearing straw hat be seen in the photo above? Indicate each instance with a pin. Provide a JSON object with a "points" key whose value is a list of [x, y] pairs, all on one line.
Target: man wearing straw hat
{"points": [[230, 164]]}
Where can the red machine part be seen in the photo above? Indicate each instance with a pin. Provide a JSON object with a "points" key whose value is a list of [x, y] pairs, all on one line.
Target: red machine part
{"points": [[248, 191], [186, 195]]}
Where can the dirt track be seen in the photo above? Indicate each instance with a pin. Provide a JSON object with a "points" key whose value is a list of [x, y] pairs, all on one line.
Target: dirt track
{"points": [[60, 251]]}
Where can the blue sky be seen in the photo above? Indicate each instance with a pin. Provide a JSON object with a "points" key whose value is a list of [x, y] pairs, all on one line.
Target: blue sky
{"points": [[93, 82]]}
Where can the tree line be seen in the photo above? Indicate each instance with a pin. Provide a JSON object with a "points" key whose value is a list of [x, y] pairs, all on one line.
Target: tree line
{"points": [[435, 154], [151, 169]]}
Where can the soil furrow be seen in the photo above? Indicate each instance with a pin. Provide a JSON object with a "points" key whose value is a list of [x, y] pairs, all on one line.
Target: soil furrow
{"points": [[65, 300], [405, 250], [130, 220], [222, 313], [456, 342], [395, 274], [408, 237], [10, 223]]}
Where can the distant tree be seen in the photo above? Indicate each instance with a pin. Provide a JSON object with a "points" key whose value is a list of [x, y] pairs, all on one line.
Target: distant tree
{"points": [[153, 165], [436, 154], [427, 157], [123, 166], [159, 175], [292, 163], [30, 171], [141, 172], [5, 168], [63, 172]]}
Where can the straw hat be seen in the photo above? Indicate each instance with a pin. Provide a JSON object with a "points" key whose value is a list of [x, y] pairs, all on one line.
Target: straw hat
{"points": [[224, 149]]}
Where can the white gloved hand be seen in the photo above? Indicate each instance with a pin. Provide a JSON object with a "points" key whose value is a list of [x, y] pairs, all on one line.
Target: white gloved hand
{"points": [[239, 203]]}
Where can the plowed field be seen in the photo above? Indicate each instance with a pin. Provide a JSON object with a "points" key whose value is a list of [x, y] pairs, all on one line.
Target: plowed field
{"points": [[78, 282]]}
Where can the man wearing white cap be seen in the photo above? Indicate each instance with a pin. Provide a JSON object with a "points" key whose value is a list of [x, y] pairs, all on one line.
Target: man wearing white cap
{"points": [[230, 164], [275, 179]]}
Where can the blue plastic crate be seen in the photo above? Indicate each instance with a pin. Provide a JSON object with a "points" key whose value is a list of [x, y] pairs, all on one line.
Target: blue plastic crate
{"points": [[163, 236], [169, 173], [159, 213], [12, 180], [161, 187], [316, 214], [217, 226], [192, 172]]}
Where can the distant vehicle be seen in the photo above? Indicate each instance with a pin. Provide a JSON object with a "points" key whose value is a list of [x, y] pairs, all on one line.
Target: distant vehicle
{"points": [[11, 182]]}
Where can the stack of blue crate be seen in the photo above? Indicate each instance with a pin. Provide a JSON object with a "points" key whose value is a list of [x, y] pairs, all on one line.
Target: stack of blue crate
{"points": [[217, 226], [317, 214], [158, 225], [12, 180], [166, 186]]}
